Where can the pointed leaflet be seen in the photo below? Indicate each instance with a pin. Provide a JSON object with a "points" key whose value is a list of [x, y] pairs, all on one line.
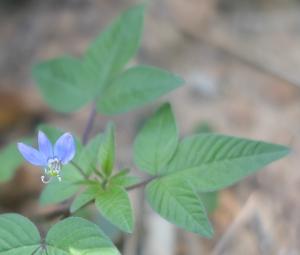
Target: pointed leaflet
{"points": [[108, 54], [88, 159], [156, 142], [136, 87], [85, 197], [210, 201], [18, 235], [107, 150], [78, 236], [123, 179], [63, 78], [212, 161], [114, 205], [179, 204]]}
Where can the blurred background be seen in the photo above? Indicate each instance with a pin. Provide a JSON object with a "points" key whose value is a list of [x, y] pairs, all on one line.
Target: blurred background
{"points": [[241, 63]]}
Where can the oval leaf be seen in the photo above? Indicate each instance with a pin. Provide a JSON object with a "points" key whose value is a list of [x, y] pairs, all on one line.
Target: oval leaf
{"points": [[63, 78], [18, 235], [78, 236]]}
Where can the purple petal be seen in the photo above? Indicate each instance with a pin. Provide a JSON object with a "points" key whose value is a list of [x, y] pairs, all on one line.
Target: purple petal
{"points": [[32, 155], [64, 148], [45, 146]]}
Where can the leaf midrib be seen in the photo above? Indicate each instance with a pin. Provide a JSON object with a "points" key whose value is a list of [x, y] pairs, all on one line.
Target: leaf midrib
{"points": [[283, 152], [170, 194]]}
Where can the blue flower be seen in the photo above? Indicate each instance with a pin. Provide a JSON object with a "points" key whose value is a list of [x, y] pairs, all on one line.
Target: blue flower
{"points": [[51, 158]]}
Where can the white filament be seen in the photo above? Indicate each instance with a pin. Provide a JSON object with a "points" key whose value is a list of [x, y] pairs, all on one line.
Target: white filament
{"points": [[44, 180]]}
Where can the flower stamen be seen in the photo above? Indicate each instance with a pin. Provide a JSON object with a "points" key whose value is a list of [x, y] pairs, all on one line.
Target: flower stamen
{"points": [[52, 170], [50, 157]]}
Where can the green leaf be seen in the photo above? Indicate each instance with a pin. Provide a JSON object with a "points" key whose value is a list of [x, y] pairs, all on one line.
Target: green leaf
{"points": [[107, 151], [122, 173], [179, 204], [123, 179], [157, 141], [210, 201], [108, 54], [84, 198], [78, 236], [136, 87], [212, 162], [88, 159], [81, 81], [63, 78], [10, 159], [114, 204], [18, 235], [56, 192], [72, 236]]}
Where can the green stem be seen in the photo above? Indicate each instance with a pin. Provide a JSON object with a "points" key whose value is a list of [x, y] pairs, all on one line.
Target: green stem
{"points": [[97, 172], [90, 124], [141, 184], [65, 210], [80, 170]]}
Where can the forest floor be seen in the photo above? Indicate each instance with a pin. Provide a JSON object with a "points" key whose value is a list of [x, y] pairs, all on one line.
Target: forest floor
{"points": [[240, 63]]}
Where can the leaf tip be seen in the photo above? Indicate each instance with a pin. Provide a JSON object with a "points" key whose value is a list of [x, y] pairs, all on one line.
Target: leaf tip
{"points": [[284, 150], [209, 233]]}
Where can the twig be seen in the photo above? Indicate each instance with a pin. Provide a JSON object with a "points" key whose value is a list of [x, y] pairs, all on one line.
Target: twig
{"points": [[89, 125], [64, 211], [141, 184]]}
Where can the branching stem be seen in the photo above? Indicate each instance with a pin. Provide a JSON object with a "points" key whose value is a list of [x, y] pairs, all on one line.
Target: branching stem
{"points": [[64, 210], [89, 125], [141, 184]]}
